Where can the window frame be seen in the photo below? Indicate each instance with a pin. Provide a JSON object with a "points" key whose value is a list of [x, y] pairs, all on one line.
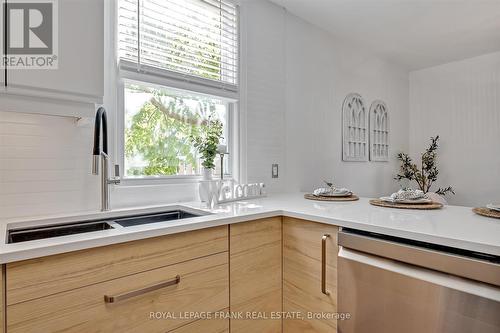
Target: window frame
{"points": [[128, 71], [231, 121]]}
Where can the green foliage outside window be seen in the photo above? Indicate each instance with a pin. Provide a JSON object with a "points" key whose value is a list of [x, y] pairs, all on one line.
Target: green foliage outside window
{"points": [[160, 138], [160, 133]]}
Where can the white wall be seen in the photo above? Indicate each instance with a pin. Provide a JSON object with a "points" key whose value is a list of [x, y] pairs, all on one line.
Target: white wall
{"points": [[321, 71], [38, 178], [460, 101], [44, 165], [295, 81], [297, 78], [263, 25]]}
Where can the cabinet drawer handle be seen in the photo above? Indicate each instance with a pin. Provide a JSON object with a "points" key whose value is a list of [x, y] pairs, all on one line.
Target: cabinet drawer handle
{"points": [[323, 264], [130, 294]]}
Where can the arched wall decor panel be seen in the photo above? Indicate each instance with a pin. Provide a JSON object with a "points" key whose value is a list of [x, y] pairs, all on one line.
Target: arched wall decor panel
{"points": [[354, 129], [379, 132]]}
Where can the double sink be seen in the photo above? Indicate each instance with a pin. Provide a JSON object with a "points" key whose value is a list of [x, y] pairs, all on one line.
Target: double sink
{"points": [[50, 231]]}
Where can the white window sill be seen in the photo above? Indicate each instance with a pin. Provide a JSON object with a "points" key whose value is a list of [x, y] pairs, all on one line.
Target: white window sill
{"points": [[165, 180]]}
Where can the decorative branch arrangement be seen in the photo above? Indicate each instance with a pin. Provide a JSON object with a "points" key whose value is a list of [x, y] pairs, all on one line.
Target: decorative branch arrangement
{"points": [[428, 172]]}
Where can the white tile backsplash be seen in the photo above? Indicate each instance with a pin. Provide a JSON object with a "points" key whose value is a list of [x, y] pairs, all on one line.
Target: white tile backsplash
{"points": [[44, 163]]}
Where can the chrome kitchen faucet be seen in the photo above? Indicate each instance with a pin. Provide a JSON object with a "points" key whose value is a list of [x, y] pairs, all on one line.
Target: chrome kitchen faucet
{"points": [[102, 155]]}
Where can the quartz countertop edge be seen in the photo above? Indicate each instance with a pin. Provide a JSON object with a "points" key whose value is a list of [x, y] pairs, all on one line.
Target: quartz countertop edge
{"points": [[452, 226]]}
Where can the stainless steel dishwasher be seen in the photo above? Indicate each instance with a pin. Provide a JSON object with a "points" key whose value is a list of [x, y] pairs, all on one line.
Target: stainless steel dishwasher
{"points": [[395, 285]]}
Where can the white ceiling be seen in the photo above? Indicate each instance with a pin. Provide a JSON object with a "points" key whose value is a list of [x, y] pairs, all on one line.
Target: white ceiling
{"points": [[415, 33]]}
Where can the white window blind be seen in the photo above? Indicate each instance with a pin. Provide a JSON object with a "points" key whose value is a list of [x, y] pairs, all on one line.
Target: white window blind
{"points": [[189, 39]]}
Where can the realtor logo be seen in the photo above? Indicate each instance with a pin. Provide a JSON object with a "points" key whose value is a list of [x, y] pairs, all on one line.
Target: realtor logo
{"points": [[30, 35]]}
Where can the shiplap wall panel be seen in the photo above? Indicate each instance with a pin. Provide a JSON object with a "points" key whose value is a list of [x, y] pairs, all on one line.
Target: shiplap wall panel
{"points": [[265, 85], [460, 101], [44, 166]]}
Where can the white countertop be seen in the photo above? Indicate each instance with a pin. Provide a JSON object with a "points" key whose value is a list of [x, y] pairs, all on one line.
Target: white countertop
{"points": [[451, 226]]}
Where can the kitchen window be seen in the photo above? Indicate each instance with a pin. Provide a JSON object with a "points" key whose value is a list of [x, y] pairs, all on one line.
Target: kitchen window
{"points": [[178, 65], [158, 125]]}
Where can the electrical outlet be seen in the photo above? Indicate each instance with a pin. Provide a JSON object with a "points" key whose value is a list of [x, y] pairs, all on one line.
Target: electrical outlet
{"points": [[275, 171]]}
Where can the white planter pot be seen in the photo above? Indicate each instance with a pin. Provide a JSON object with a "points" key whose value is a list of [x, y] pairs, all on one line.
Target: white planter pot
{"points": [[207, 174], [437, 198], [204, 190], [208, 190]]}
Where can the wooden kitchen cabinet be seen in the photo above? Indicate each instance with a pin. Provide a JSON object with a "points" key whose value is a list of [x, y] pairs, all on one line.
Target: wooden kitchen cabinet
{"points": [[256, 269], [40, 277], [302, 275], [66, 292], [256, 274], [202, 286]]}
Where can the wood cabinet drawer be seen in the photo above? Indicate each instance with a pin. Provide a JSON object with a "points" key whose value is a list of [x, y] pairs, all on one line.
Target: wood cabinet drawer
{"points": [[203, 287], [35, 278]]}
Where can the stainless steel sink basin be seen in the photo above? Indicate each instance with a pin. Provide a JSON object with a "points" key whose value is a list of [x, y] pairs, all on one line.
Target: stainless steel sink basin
{"points": [[50, 231], [154, 218], [28, 234]]}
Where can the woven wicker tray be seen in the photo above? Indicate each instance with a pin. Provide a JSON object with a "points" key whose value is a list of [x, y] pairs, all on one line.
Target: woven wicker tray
{"points": [[338, 199], [487, 212], [427, 206]]}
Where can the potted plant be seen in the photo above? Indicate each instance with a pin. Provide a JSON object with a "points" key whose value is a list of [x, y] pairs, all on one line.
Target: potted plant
{"points": [[206, 139], [426, 175]]}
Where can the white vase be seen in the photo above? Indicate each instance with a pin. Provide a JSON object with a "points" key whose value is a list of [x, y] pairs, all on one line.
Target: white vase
{"points": [[204, 190], [207, 174], [437, 198], [209, 191], [205, 184]]}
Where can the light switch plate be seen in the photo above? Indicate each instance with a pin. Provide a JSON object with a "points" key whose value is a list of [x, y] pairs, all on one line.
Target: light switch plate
{"points": [[275, 173]]}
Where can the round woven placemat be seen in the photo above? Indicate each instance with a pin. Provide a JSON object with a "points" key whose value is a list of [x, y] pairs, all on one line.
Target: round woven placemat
{"points": [[323, 198], [381, 203], [487, 212]]}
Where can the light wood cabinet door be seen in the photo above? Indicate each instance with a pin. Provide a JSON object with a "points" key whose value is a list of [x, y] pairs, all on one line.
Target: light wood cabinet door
{"points": [[256, 275], [302, 276], [203, 287]]}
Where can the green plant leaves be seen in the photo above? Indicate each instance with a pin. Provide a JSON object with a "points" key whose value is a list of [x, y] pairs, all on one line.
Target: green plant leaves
{"points": [[158, 137], [206, 140]]}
